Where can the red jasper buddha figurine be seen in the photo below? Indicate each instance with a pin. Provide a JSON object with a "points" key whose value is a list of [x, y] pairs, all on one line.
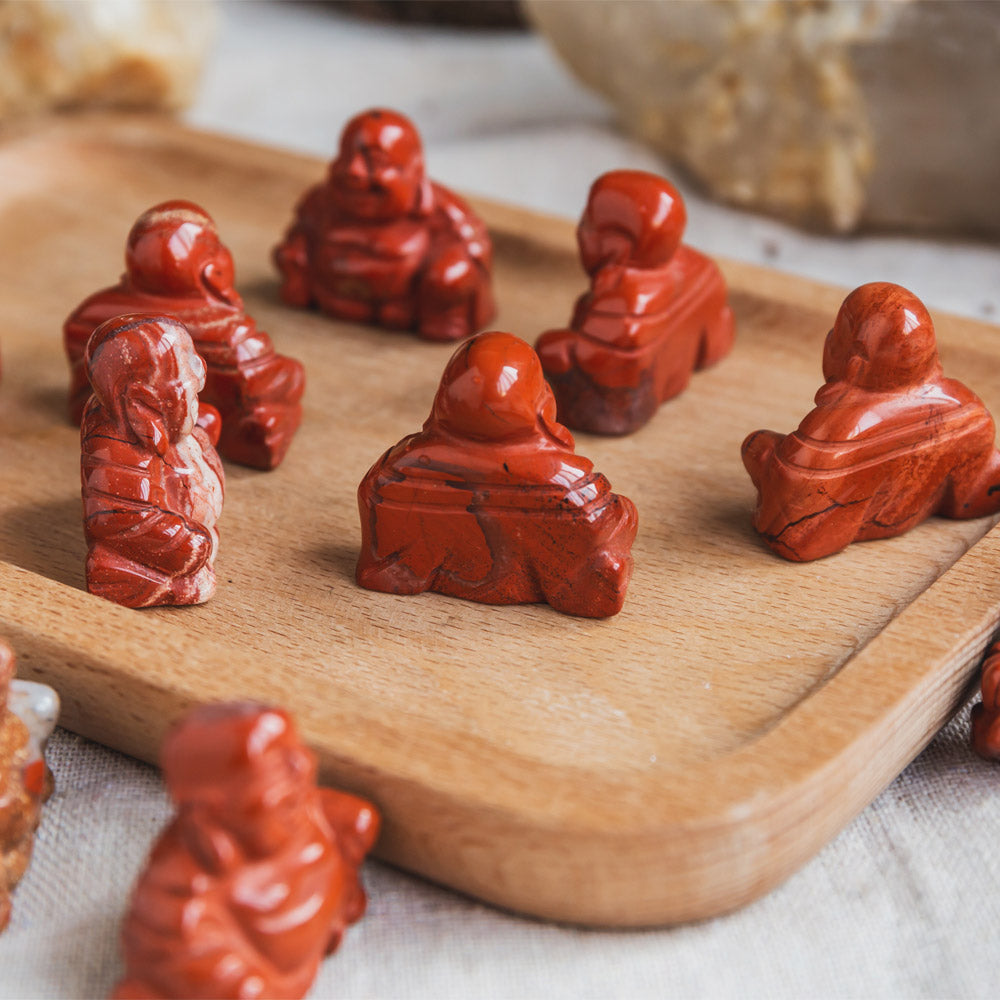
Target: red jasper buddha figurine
{"points": [[986, 715], [378, 242], [177, 266], [27, 715], [152, 482], [890, 441], [490, 502], [655, 312], [256, 878]]}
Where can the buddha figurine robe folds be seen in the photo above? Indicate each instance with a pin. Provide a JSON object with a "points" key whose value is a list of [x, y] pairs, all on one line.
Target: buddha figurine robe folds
{"points": [[378, 242], [986, 715], [490, 502], [152, 482], [255, 879], [890, 442], [27, 716], [656, 310], [177, 266]]}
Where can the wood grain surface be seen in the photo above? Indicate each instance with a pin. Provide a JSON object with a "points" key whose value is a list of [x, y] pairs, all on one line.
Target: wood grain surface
{"points": [[665, 765]]}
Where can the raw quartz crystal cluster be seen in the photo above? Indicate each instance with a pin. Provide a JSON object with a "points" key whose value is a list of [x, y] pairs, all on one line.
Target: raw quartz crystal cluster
{"points": [[833, 115], [120, 53]]}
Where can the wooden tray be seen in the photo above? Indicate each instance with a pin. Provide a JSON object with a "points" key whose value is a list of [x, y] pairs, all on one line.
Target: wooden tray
{"points": [[669, 764]]}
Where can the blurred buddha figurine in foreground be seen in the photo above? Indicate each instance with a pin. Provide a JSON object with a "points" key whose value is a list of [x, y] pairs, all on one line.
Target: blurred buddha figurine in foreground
{"points": [[890, 441], [176, 265], [656, 310], [256, 878], [28, 714], [490, 502], [378, 242], [152, 482]]}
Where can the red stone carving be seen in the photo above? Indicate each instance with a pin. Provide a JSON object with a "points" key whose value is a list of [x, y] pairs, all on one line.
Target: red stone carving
{"points": [[152, 482], [27, 714], [378, 242], [490, 502], [177, 266], [655, 312], [256, 877], [890, 442], [986, 715]]}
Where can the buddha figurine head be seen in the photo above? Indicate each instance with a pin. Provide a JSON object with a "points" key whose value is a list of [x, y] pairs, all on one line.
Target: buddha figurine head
{"points": [[146, 374], [174, 250], [378, 174], [882, 339], [632, 219], [493, 388], [241, 767]]}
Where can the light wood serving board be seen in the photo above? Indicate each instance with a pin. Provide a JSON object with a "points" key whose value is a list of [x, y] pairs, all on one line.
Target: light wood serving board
{"points": [[666, 765]]}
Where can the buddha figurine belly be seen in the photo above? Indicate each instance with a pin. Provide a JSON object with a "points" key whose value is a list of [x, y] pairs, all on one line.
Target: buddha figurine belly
{"points": [[369, 276], [256, 878], [177, 266], [378, 242], [152, 482], [490, 502], [890, 442], [656, 310]]}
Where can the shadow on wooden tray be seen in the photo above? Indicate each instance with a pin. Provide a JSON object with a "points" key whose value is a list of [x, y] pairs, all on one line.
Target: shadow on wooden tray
{"points": [[46, 538], [50, 404]]}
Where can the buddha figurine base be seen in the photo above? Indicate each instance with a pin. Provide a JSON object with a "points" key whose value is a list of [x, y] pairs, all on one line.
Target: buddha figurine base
{"points": [[890, 442], [490, 502]]}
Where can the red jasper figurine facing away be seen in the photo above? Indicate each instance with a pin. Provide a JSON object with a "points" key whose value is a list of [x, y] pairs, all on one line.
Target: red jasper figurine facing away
{"points": [[890, 442], [490, 502], [152, 482], [256, 878], [656, 310], [378, 242], [176, 265]]}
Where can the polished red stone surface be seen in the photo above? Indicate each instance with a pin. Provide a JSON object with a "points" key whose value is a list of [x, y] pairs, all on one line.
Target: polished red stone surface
{"points": [[255, 879], [656, 310], [986, 715], [890, 442], [490, 502], [378, 242], [152, 482], [24, 785], [176, 265]]}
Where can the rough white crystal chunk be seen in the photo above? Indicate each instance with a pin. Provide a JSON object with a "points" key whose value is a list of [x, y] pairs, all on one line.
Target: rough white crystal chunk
{"points": [[877, 113], [121, 53]]}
